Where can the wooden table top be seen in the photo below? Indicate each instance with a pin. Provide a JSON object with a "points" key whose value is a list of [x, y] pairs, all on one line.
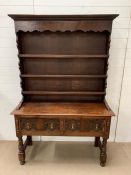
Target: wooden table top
{"points": [[63, 109]]}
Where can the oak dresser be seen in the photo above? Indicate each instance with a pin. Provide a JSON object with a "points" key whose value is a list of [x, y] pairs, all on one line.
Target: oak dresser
{"points": [[63, 62]]}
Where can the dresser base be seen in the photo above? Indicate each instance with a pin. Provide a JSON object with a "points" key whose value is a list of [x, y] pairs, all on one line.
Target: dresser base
{"points": [[63, 119]]}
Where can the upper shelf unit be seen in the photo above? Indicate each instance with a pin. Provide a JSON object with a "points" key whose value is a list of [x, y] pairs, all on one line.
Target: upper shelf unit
{"points": [[63, 57]]}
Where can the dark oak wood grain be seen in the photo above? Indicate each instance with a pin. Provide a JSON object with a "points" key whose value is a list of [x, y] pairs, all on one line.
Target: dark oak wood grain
{"points": [[63, 62]]}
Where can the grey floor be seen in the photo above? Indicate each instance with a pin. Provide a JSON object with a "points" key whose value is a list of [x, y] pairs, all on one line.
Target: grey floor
{"points": [[65, 158]]}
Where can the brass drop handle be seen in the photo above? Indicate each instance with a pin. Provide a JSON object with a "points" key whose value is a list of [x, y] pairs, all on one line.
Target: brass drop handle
{"points": [[73, 126], [28, 126], [97, 126], [51, 126]]}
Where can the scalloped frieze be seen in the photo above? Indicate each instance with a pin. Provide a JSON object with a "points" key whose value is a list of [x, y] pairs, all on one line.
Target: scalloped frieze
{"points": [[63, 26], [62, 31]]}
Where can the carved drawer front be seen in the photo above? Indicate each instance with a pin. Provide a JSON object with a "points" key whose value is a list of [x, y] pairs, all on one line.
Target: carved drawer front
{"points": [[33, 124], [79, 127], [95, 125], [56, 126]]}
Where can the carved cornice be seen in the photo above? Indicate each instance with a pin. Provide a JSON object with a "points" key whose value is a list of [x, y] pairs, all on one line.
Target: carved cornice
{"points": [[63, 17], [62, 23]]}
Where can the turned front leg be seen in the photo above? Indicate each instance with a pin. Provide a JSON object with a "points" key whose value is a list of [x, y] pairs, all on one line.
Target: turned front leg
{"points": [[97, 140], [21, 148], [103, 154]]}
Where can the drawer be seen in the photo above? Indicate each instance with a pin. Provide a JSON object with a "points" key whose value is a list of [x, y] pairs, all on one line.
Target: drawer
{"points": [[87, 126], [40, 125]]}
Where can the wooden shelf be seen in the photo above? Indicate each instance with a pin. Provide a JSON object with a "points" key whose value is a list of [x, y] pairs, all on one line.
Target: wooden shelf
{"points": [[63, 93], [60, 56], [62, 76]]}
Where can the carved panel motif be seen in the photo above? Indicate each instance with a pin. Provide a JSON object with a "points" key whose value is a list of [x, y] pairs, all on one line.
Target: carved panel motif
{"points": [[28, 124], [51, 124], [72, 124]]}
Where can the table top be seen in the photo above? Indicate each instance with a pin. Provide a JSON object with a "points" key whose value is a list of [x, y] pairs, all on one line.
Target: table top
{"points": [[62, 109]]}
